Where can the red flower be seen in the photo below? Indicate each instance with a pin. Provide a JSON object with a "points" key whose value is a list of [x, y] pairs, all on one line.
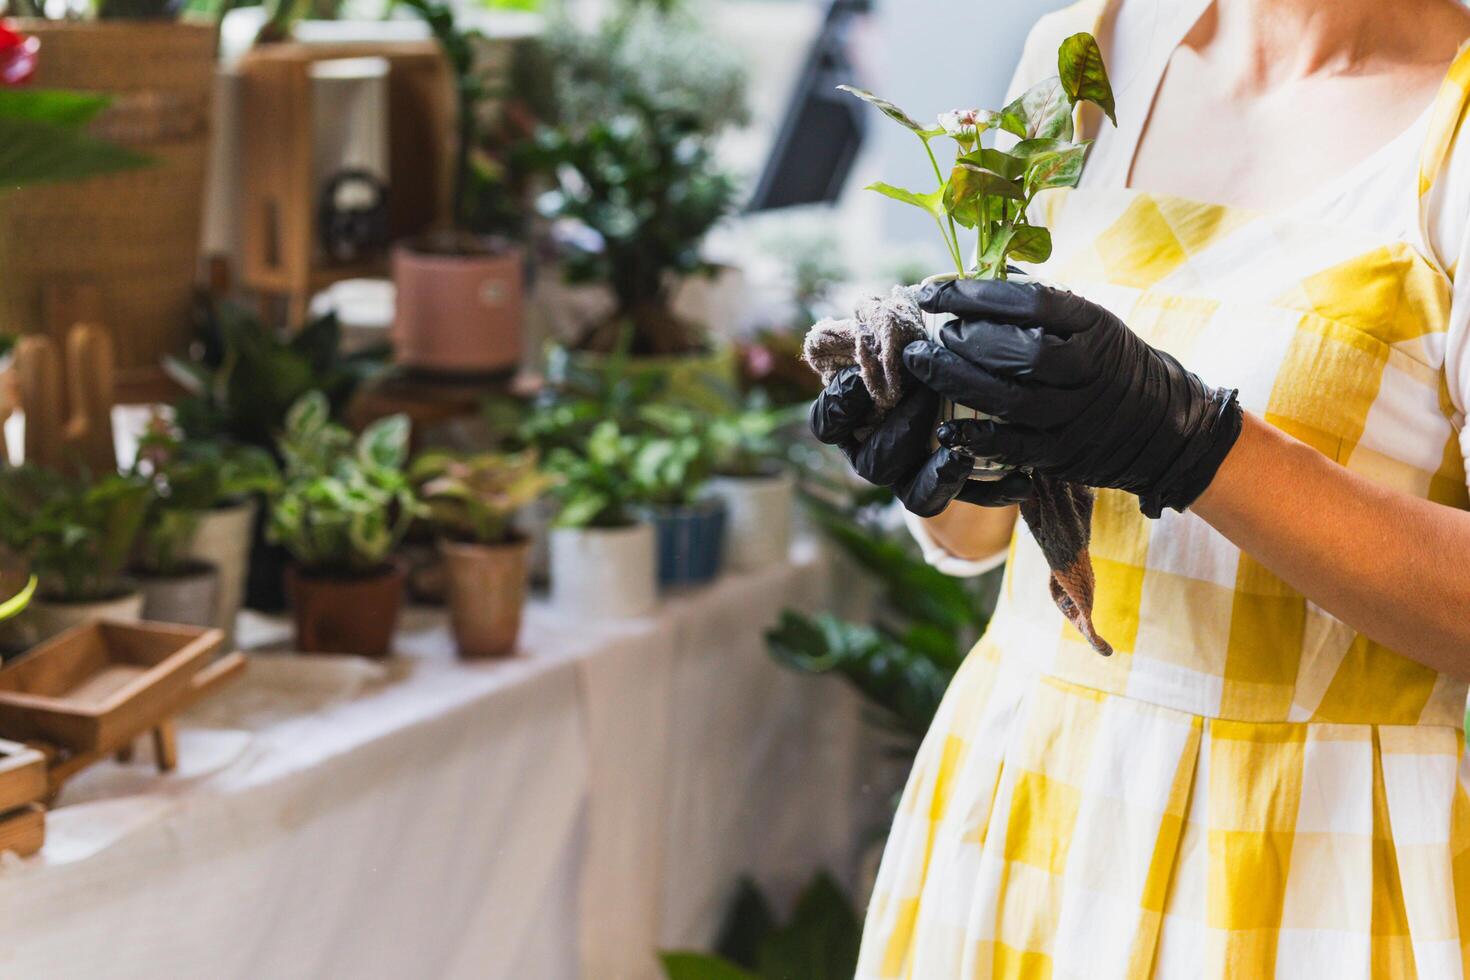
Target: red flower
{"points": [[17, 56]]}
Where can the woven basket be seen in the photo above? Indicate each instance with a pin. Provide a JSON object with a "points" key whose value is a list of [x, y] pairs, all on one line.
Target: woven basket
{"points": [[124, 248]]}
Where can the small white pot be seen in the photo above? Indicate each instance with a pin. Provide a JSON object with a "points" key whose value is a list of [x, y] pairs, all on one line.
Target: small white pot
{"points": [[604, 573], [44, 619], [223, 540], [758, 522], [187, 599]]}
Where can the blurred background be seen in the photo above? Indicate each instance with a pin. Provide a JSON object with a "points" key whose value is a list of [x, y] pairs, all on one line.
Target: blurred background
{"points": [[416, 561]]}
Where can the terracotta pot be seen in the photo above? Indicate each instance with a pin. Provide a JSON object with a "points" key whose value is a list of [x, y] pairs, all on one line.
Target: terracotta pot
{"points": [[758, 523], [124, 245], [458, 314], [187, 598], [604, 572], [487, 589], [223, 540], [345, 615]]}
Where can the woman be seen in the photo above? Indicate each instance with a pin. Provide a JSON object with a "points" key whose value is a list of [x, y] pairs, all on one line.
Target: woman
{"points": [[1265, 369]]}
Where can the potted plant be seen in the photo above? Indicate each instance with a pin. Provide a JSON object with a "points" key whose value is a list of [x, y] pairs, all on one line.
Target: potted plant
{"points": [[343, 506], [239, 385], [640, 102], [672, 471], [187, 575], [460, 306], [77, 536], [759, 493], [155, 74], [990, 190], [472, 502], [603, 557]]}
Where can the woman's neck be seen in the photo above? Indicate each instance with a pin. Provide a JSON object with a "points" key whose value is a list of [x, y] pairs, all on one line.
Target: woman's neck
{"points": [[1263, 44]]}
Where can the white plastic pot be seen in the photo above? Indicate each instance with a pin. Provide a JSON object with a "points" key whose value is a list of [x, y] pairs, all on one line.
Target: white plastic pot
{"points": [[758, 522], [223, 540], [604, 573]]}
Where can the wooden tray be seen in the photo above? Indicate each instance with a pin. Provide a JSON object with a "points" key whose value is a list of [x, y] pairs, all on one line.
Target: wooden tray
{"points": [[23, 830], [22, 775], [94, 687]]}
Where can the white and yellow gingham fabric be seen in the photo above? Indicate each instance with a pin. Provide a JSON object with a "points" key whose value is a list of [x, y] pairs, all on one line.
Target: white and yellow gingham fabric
{"points": [[1247, 788]]}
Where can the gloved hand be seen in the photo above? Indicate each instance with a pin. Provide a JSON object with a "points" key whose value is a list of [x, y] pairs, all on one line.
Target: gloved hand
{"points": [[895, 451], [1079, 396]]}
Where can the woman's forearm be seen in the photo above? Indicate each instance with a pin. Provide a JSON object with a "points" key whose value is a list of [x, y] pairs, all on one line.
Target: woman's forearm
{"points": [[972, 533], [1394, 567]]}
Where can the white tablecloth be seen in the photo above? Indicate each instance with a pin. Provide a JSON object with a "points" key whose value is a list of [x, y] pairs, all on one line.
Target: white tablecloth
{"points": [[564, 813]]}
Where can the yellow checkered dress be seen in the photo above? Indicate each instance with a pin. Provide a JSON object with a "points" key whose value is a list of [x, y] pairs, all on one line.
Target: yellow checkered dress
{"points": [[1247, 788]]}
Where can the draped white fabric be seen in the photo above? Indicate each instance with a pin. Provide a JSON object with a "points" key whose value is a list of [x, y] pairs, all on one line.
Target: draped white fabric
{"points": [[562, 814]]}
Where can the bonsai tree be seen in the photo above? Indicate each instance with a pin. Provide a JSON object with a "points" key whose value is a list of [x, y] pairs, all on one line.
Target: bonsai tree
{"points": [[77, 534], [189, 478], [475, 498], [642, 100], [989, 190], [344, 503]]}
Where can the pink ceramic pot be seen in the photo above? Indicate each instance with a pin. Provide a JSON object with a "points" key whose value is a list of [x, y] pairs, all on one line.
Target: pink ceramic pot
{"points": [[458, 314]]}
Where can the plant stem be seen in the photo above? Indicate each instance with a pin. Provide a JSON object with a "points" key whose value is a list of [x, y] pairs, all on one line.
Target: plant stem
{"points": [[952, 236]]}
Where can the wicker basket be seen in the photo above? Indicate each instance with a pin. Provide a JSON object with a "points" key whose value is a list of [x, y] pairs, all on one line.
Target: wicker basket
{"points": [[121, 249]]}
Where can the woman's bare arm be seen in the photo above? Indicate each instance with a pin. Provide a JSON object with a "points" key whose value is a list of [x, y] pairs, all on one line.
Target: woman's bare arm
{"points": [[1394, 567], [972, 533]]}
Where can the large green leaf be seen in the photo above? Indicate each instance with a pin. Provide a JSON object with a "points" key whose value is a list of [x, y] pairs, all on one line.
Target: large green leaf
{"points": [[1029, 243], [1083, 75], [1061, 168], [1008, 165], [932, 202], [967, 189], [1043, 111], [34, 152], [820, 942], [889, 109], [701, 966], [747, 925], [57, 106]]}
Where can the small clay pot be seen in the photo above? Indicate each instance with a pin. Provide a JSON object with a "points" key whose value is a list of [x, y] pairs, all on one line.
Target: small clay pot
{"points": [[487, 589], [336, 614], [458, 314]]}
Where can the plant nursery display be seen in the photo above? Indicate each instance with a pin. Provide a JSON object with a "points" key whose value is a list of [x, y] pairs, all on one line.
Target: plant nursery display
{"points": [[472, 501], [641, 101], [343, 506], [78, 535], [459, 306], [149, 77], [603, 558], [190, 480]]}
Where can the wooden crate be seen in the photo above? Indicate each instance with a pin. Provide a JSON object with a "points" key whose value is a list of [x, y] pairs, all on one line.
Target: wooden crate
{"points": [[278, 203], [23, 830], [22, 775], [96, 687]]}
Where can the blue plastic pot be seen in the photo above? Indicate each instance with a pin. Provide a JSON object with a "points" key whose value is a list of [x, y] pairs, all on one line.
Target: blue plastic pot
{"points": [[691, 542]]}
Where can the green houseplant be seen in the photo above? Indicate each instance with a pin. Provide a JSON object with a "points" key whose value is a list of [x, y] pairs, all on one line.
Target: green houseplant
{"points": [[343, 505], [751, 477], [460, 305], [192, 481], [640, 102], [603, 557], [472, 502], [672, 471], [78, 535]]}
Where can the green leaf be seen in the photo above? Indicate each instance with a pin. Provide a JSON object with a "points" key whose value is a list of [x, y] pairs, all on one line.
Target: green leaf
{"points": [[13, 606], [1029, 243], [1008, 165], [58, 106], [1062, 168], [967, 188], [932, 202], [385, 443], [748, 924], [1042, 111], [888, 109], [34, 152], [1083, 75], [700, 966], [820, 942]]}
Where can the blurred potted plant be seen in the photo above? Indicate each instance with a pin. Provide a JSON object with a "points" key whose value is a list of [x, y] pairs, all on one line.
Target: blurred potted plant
{"points": [[78, 536], [155, 75], [672, 471], [239, 386], [195, 538], [343, 506], [640, 102], [460, 305], [759, 492], [603, 557], [472, 501]]}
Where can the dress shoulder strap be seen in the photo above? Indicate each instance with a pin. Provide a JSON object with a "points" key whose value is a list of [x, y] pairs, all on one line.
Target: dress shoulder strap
{"points": [[1445, 116]]}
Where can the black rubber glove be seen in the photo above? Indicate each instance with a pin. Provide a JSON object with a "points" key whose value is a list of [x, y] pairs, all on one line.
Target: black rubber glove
{"points": [[895, 451], [1080, 396]]}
